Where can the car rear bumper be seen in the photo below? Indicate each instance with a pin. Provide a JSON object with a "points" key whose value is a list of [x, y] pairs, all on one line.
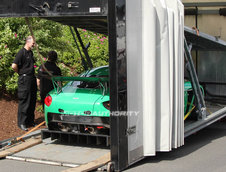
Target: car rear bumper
{"points": [[78, 119]]}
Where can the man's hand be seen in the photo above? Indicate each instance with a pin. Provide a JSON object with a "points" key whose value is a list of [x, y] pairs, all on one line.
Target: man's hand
{"points": [[38, 83], [15, 67]]}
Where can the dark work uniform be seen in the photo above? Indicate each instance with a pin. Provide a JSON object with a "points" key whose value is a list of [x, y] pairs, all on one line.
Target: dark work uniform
{"points": [[46, 84], [27, 87]]}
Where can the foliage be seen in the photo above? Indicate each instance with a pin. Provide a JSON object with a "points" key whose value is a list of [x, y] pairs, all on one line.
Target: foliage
{"points": [[49, 36]]}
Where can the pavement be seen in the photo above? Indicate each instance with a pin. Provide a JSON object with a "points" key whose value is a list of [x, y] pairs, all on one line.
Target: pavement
{"points": [[20, 166], [204, 151]]}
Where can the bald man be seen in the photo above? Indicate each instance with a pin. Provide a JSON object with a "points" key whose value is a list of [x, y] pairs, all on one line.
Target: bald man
{"points": [[23, 64]]}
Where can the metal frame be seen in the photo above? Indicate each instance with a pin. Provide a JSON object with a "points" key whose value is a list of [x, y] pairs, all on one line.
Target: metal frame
{"points": [[196, 126], [83, 60], [199, 12], [78, 138], [117, 55], [78, 15], [202, 41], [196, 11], [204, 4], [85, 51], [200, 103]]}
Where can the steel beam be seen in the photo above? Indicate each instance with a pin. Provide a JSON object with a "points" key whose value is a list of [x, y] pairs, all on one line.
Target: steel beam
{"points": [[200, 103], [198, 125], [83, 60], [200, 12], [204, 4], [85, 51]]}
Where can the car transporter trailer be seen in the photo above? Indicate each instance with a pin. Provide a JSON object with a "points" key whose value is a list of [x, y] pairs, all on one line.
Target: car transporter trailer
{"points": [[146, 62]]}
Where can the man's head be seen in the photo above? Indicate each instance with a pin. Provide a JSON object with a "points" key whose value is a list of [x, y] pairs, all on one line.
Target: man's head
{"points": [[29, 42], [52, 56]]}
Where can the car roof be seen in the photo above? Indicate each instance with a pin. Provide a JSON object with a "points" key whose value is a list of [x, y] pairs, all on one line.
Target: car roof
{"points": [[98, 71]]}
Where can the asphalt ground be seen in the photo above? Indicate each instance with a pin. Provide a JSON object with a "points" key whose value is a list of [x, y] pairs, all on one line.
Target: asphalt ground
{"points": [[204, 151]]}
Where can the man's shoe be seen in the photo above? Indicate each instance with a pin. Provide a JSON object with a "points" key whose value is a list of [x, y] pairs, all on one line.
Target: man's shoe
{"points": [[23, 127], [33, 124]]}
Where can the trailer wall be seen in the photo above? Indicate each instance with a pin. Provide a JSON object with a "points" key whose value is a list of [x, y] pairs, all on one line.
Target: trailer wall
{"points": [[154, 37]]}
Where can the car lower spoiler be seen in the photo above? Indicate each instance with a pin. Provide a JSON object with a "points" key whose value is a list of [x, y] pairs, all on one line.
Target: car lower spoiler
{"points": [[57, 81]]}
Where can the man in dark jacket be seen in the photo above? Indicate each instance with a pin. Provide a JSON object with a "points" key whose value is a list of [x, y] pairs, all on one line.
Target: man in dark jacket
{"points": [[23, 64], [44, 82]]}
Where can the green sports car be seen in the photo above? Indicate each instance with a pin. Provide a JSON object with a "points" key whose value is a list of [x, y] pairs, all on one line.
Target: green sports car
{"points": [[81, 105]]}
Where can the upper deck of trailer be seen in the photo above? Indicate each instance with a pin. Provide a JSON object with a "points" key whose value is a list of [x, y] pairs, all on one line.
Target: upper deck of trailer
{"points": [[90, 15]]}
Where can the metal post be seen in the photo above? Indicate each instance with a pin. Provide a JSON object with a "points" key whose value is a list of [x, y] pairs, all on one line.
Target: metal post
{"points": [[118, 85], [195, 83], [196, 52], [83, 60], [84, 49]]}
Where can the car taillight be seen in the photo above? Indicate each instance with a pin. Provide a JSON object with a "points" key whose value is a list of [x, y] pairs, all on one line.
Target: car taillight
{"points": [[107, 105], [48, 100]]}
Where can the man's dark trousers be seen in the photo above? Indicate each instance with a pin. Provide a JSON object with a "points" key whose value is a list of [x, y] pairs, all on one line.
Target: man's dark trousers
{"points": [[27, 93]]}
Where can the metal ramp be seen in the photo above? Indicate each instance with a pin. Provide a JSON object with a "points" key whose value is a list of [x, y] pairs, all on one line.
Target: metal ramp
{"points": [[56, 153]]}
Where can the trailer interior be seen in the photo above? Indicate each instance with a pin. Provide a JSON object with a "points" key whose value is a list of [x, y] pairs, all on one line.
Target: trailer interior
{"points": [[210, 47]]}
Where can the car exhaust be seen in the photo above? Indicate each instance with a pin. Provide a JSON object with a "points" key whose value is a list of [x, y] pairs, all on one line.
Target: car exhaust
{"points": [[91, 130]]}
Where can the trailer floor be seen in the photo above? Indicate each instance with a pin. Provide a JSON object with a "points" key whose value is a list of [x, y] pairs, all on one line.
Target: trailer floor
{"points": [[55, 153], [213, 107]]}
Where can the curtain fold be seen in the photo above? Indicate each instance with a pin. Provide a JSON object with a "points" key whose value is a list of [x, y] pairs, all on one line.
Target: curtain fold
{"points": [[163, 55]]}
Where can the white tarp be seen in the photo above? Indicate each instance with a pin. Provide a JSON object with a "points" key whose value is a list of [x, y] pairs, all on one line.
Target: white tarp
{"points": [[155, 74]]}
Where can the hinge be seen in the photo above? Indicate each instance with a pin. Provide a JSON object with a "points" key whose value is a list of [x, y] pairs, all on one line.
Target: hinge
{"points": [[73, 4], [131, 130]]}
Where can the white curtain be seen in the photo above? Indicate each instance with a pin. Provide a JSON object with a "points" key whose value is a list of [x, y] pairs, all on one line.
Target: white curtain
{"points": [[163, 95], [154, 40]]}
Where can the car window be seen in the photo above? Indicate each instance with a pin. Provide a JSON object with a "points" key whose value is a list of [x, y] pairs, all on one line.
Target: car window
{"points": [[95, 85]]}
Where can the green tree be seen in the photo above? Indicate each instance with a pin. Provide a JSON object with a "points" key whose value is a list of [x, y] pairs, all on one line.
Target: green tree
{"points": [[49, 36]]}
